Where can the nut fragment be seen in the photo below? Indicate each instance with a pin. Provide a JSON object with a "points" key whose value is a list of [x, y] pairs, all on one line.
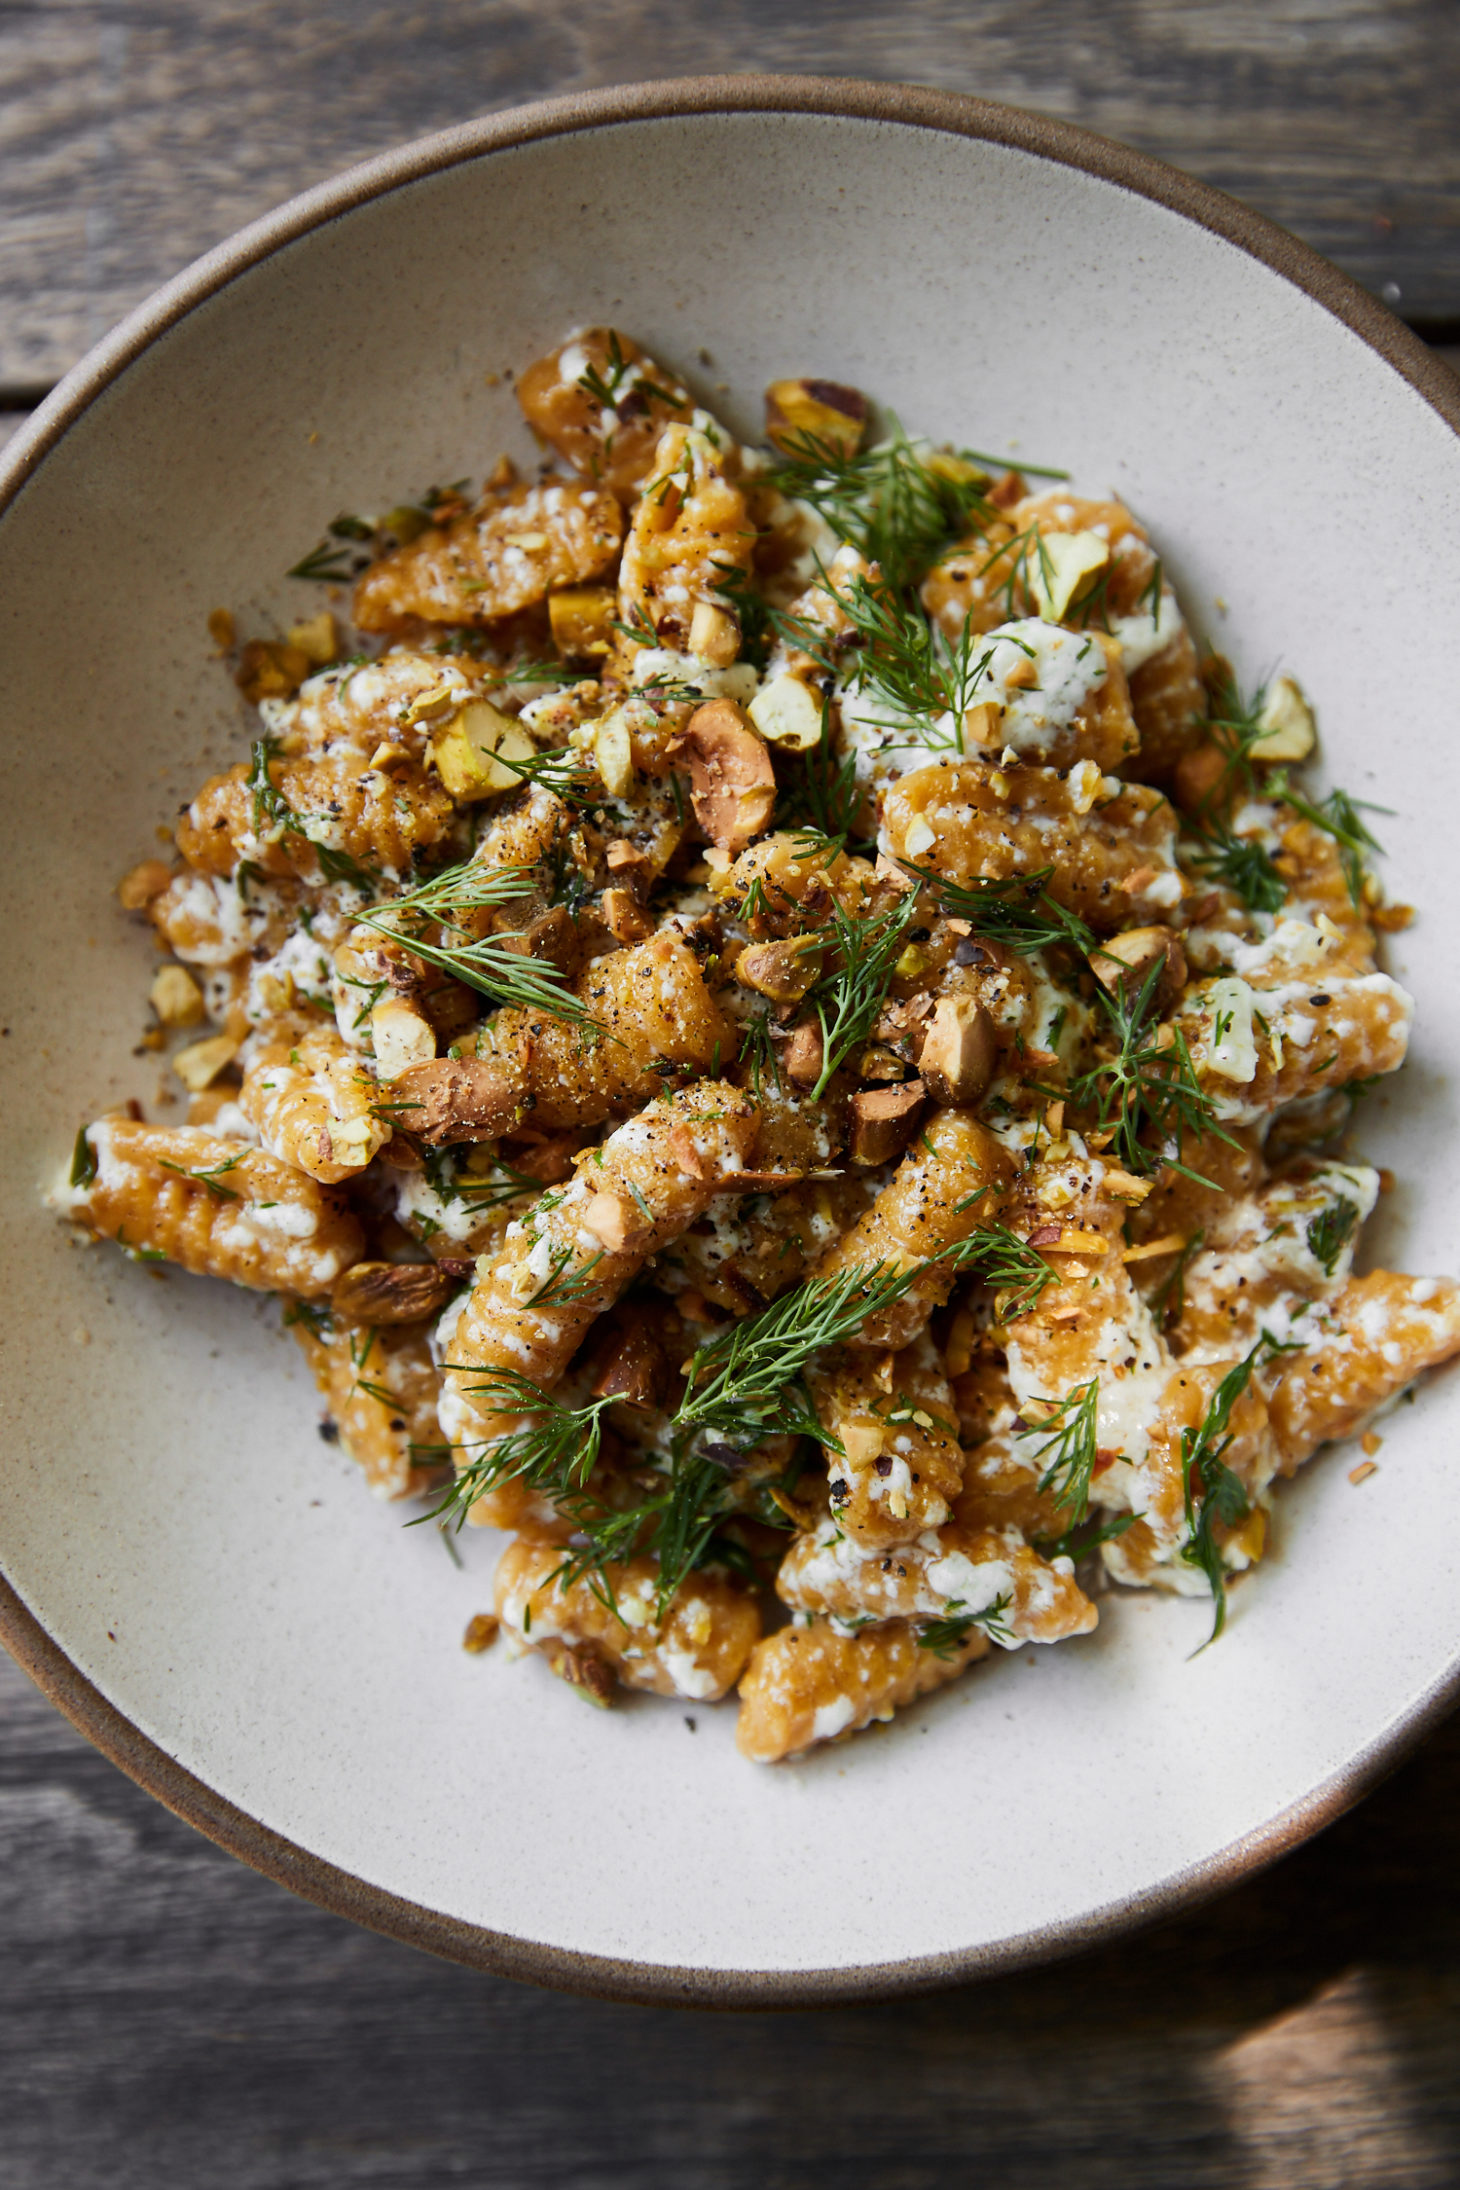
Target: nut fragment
{"points": [[786, 712], [821, 410], [464, 751], [613, 749], [883, 1119], [804, 1052], [959, 1051], [630, 1360], [584, 1667], [455, 1099], [392, 1292], [624, 917], [582, 621], [1289, 731], [268, 670], [782, 971], [714, 635], [402, 1036], [316, 639], [140, 884], [732, 782], [176, 997], [1126, 960], [615, 1224], [199, 1065], [1066, 566], [481, 1632]]}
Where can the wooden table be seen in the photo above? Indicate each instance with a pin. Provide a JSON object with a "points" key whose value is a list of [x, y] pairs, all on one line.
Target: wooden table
{"points": [[168, 2017]]}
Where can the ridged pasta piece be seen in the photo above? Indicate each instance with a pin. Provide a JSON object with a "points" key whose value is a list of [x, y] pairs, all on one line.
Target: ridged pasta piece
{"points": [[656, 1017], [949, 1182], [748, 1248], [784, 882], [209, 920], [381, 1389], [219, 1207], [1267, 1255], [580, 1246], [900, 1464], [990, 577], [312, 1102], [1292, 1022], [337, 812], [808, 1684], [400, 699], [516, 547], [696, 1651], [1168, 701], [688, 529], [1308, 862], [1113, 863], [615, 441], [949, 1573], [1375, 1336], [1151, 1553]]}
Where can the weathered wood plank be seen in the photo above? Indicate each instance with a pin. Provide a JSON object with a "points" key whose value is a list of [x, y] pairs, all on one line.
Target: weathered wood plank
{"points": [[169, 2017], [136, 133]]}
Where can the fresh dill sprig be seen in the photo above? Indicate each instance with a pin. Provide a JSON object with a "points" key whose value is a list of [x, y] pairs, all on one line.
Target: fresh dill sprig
{"points": [[314, 1315], [900, 504], [606, 387], [946, 1637], [1235, 725], [1330, 1232], [1338, 817], [1146, 1086], [1016, 1272], [1078, 1541], [554, 1450], [822, 793], [569, 775], [337, 556], [758, 1054], [490, 965], [83, 1159], [269, 802], [212, 1178], [1243, 864], [491, 1191], [1213, 1493], [1017, 910], [1069, 1448], [848, 998], [904, 660], [1169, 1298], [758, 621]]}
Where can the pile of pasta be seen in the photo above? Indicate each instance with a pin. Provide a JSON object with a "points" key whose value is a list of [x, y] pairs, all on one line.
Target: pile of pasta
{"points": [[787, 1042]]}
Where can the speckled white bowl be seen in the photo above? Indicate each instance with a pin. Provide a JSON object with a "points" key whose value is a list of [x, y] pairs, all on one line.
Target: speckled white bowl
{"points": [[200, 1581]]}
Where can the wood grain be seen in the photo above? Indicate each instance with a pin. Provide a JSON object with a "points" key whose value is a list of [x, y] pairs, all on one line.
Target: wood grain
{"points": [[136, 133], [167, 2017]]}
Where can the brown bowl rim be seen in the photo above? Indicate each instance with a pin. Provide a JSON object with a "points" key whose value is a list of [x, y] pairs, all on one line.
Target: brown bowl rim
{"points": [[42, 1657]]}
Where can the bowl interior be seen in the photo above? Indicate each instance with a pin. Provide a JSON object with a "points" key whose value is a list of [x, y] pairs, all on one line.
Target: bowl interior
{"points": [[167, 1510]]}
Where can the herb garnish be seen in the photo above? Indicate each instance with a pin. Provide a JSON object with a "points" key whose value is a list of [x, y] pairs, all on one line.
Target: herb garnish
{"points": [[1148, 1085], [1069, 1449], [490, 964], [947, 1636], [899, 503], [1244, 864], [848, 998], [1330, 1232], [1338, 817]]}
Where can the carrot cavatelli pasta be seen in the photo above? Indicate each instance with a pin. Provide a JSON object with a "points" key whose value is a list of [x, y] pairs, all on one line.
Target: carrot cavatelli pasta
{"points": [[790, 1040]]}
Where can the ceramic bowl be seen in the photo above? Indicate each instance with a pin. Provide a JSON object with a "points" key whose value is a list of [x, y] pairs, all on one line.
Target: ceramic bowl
{"points": [[200, 1582]]}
